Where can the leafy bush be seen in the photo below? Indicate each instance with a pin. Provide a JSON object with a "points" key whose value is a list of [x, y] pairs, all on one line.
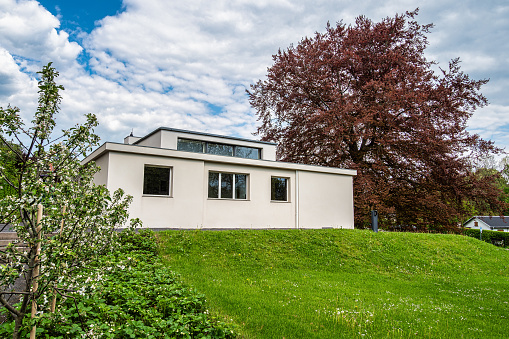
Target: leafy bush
{"points": [[143, 240], [488, 236], [127, 296]]}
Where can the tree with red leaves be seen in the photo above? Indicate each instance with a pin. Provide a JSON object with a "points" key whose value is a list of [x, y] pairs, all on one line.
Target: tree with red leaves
{"points": [[365, 97]]}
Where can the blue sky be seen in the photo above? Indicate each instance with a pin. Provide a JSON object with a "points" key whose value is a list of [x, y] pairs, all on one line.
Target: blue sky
{"points": [[141, 64], [81, 15]]}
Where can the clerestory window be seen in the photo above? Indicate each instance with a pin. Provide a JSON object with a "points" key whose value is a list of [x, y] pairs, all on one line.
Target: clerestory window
{"points": [[199, 146]]}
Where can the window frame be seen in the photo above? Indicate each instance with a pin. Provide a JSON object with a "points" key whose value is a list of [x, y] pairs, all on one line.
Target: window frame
{"points": [[184, 140], [287, 194], [217, 145], [170, 183], [233, 186], [235, 148]]}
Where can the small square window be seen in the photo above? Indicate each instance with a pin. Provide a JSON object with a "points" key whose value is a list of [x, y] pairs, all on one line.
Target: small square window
{"points": [[156, 180], [279, 189]]}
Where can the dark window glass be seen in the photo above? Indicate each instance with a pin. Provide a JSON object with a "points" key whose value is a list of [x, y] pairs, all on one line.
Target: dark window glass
{"points": [[226, 185], [197, 146], [240, 186], [190, 145], [247, 152], [279, 189], [219, 149], [156, 180], [213, 185]]}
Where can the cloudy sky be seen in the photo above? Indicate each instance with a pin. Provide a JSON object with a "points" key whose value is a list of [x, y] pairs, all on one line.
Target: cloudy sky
{"points": [[142, 64]]}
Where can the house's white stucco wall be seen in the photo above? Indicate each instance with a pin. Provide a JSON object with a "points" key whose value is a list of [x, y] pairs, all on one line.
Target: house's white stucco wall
{"points": [[258, 211], [318, 196], [101, 177], [154, 140], [184, 205], [324, 192]]}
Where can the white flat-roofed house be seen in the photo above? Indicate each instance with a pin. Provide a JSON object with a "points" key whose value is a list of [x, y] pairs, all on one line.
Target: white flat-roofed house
{"points": [[184, 179]]}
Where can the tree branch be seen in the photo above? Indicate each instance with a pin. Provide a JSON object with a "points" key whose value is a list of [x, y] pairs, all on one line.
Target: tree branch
{"points": [[10, 308], [8, 144]]}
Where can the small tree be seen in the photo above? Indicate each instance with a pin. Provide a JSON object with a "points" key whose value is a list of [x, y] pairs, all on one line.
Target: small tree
{"points": [[365, 97], [48, 172]]}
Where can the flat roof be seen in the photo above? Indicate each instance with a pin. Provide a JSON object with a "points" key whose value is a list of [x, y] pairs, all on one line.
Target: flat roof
{"points": [[200, 133], [164, 152]]}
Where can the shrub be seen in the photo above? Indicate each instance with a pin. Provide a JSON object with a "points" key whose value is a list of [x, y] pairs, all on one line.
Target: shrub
{"points": [[128, 294], [142, 240], [488, 236]]}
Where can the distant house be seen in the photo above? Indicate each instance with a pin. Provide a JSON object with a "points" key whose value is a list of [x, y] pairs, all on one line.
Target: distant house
{"points": [[489, 223], [184, 179]]}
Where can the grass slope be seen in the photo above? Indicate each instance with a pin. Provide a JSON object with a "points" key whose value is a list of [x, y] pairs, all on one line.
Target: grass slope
{"points": [[346, 283]]}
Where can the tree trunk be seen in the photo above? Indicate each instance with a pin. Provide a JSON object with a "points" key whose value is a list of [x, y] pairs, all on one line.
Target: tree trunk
{"points": [[17, 325]]}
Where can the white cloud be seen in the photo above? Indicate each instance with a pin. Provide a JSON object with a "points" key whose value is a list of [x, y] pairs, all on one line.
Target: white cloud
{"points": [[28, 30], [490, 119], [173, 63], [16, 87]]}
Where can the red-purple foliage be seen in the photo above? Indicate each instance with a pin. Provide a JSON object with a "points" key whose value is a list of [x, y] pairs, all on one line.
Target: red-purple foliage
{"points": [[365, 97]]}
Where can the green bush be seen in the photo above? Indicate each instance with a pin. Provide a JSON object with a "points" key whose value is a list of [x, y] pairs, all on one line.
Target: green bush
{"points": [[488, 236], [143, 240], [128, 294]]}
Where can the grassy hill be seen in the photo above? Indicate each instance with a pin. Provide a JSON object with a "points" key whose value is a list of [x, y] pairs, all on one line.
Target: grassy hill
{"points": [[346, 283]]}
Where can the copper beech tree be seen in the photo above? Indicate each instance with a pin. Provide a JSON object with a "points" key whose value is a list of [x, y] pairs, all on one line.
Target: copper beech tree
{"points": [[365, 97]]}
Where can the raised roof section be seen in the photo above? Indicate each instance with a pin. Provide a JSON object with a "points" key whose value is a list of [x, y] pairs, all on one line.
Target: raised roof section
{"points": [[169, 138]]}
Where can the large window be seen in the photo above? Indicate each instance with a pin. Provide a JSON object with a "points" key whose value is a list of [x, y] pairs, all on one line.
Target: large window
{"points": [[247, 152], [190, 145], [279, 189], [227, 185], [219, 149], [198, 146], [156, 180]]}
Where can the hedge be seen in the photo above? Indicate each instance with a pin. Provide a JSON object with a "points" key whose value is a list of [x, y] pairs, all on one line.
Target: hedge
{"points": [[490, 237]]}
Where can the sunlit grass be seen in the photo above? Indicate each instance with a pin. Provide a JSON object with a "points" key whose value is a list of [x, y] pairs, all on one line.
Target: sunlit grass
{"points": [[346, 283]]}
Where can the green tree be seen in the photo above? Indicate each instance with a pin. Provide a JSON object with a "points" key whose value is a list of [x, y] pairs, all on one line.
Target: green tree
{"points": [[498, 171], [48, 172]]}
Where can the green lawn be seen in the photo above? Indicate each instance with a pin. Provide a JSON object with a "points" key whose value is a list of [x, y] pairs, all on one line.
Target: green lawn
{"points": [[346, 283]]}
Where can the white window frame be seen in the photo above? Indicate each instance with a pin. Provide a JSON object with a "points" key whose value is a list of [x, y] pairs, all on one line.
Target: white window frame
{"points": [[287, 189], [233, 186], [170, 183]]}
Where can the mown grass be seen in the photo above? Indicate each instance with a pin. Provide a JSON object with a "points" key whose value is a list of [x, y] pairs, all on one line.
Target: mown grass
{"points": [[346, 283]]}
